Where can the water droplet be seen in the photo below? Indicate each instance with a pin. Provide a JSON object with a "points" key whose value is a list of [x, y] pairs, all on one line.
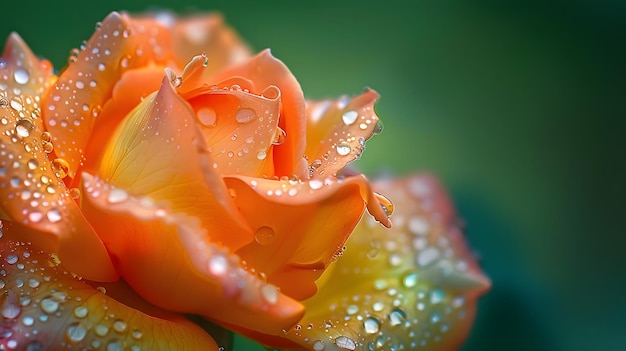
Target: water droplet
{"points": [[49, 305], [95, 111], [427, 256], [137, 334], [378, 306], [54, 215], [28, 321], [265, 235], [10, 308], [218, 265], [418, 225], [437, 296], [125, 61], [24, 127], [352, 309], [119, 326], [343, 148], [245, 115], [315, 184], [81, 312], [117, 195], [74, 193], [261, 154], [75, 333], [11, 258], [371, 325], [345, 342], [409, 279], [60, 167], [279, 136], [32, 164], [101, 330], [207, 116], [4, 102], [269, 293], [397, 317], [318, 345], [21, 75], [33, 283], [385, 203], [350, 117]]}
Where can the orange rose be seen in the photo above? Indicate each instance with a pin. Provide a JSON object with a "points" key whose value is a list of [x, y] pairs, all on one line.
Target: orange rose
{"points": [[165, 155]]}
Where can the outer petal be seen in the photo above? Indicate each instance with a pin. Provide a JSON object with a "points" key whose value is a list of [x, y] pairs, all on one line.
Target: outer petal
{"points": [[170, 261], [72, 106], [300, 226], [45, 308], [209, 34], [412, 287], [265, 70], [31, 192], [160, 136], [337, 131]]}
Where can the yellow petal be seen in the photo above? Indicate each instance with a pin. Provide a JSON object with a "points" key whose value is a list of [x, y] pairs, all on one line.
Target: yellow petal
{"points": [[411, 287], [170, 261], [32, 193], [45, 308], [337, 131], [159, 152], [300, 227]]}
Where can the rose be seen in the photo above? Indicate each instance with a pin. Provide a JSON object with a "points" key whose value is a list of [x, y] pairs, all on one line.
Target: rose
{"points": [[196, 183]]}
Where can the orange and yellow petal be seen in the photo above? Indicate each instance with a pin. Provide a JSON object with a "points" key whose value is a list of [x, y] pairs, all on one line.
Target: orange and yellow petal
{"points": [[32, 193], [45, 308], [300, 226], [411, 287], [159, 152], [73, 105], [170, 261], [265, 70], [337, 131]]}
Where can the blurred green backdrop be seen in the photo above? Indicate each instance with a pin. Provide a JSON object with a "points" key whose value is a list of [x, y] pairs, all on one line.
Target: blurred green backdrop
{"points": [[517, 106]]}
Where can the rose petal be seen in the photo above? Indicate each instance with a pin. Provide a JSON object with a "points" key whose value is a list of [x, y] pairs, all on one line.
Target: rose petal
{"points": [[414, 286], [265, 70], [170, 261], [159, 136], [31, 192], [240, 127], [209, 34], [45, 308], [118, 45], [337, 131], [300, 226]]}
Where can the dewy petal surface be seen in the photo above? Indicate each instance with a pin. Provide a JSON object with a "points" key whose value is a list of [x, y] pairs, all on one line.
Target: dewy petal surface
{"points": [[121, 44], [159, 152], [32, 193], [238, 125], [45, 308], [265, 70], [337, 131], [411, 287], [300, 226], [169, 260]]}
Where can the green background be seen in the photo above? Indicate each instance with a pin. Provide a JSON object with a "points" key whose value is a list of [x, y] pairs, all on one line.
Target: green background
{"points": [[517, 106]]}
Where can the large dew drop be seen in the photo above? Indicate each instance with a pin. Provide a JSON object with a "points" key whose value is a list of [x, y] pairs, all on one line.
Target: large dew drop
{"points": [[245, 115], [21, 76]]}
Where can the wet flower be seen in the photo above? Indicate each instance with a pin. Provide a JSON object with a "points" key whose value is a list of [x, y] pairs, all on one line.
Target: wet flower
{"points": [[169, 167]]}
